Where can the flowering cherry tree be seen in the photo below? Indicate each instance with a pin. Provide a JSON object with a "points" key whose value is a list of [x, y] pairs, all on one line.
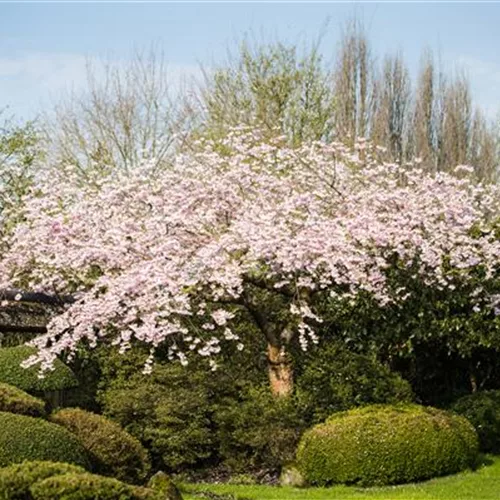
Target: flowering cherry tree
{"points": [[242, 223]]}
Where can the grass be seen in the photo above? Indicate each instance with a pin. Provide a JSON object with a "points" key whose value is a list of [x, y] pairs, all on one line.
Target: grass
{"points": [[483, 484]]}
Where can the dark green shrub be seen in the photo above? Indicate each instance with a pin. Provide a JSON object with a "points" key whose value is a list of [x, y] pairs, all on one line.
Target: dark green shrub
{"points": [[16, 480], [334, 379], [89, 487], [257, 430], [379, 445], [113, 451], [27, 438], [14, 400], [169, 411], [482, 409], [27, 379]]}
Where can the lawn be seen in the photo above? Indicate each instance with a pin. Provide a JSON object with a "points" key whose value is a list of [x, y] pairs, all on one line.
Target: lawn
{"points": [[483, 484]]}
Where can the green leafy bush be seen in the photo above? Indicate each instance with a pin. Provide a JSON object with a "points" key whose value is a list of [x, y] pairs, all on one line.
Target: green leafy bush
{"points": [[27, 438], [257, 430], [14, 400], [113, 451], [169, 411], [334, 379], [16, 480], [380, 445], [27, 379], [482, 409], [89, 487]]}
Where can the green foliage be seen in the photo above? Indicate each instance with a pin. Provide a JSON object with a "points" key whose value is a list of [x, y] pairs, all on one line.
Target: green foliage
{"points": [[168, 411], [274, 86], [27, 438], [171, 411], [482, 409], [13, 400], [334, 379], [190, 417], [162, 483], [380, 445], [20, 147], [113, 451], [89, 487], [257, 429], [16, 480], [437, 340], [27, 379]]}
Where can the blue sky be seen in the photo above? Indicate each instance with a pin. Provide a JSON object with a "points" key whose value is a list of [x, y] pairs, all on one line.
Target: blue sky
{"points": [[43, 45]]}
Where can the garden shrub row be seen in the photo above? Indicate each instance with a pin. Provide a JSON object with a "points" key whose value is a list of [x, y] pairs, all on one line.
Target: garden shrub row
{"points": [[85, 486], [190, 417]]}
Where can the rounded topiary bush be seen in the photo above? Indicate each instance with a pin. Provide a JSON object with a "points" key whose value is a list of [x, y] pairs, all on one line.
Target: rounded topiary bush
{"points": [[16, 480], [27, 379], [89, 487], [27, 438], [113, 451], [482, 409], [379, 445], [15, 400]]}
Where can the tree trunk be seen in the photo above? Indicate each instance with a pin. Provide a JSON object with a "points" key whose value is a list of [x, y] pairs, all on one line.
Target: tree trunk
{"points": [[280, 371]]}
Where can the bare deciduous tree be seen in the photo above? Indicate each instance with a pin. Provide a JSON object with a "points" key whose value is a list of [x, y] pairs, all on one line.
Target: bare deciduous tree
{"points": [[392, 115], [125, 114], [354, 84]]}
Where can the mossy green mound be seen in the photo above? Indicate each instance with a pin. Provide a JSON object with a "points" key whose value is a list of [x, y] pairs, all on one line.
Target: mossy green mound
{"points": [[16, 480], [89, 487], [27, 379], [113, 451], [379, 445], [27, 438], [14, 400]]}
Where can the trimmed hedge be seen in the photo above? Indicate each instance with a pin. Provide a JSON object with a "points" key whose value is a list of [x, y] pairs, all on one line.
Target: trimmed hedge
{"points": [[14, 400], [113, 451], [89, 487], [482, 409], [27, 379], [27, 438], [379, 445], [16, 480]]}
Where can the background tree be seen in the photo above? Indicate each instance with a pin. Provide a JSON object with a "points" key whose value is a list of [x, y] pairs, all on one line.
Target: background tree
{"points": [[20, 148], [354, 85], [273, 86], [126, 113], [391, 126]]}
